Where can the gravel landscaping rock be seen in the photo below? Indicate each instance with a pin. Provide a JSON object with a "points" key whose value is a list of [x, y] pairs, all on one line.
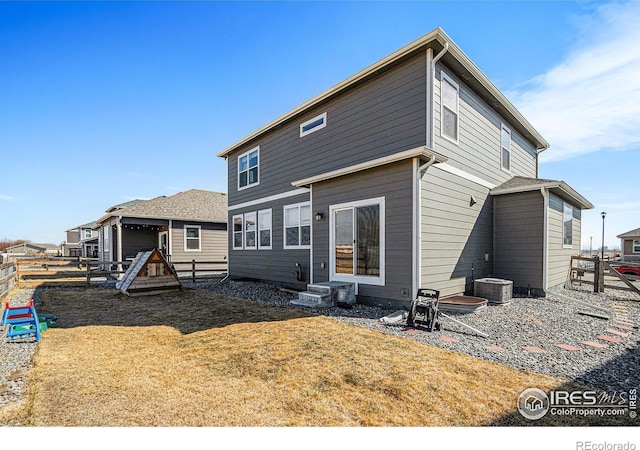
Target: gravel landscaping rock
{"points": [[525, 322]]}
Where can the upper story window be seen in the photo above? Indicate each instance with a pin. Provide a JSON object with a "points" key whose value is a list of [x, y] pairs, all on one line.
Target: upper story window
{"points": [[567, 225], [636, 246], [248, 168], [449, 108], [314, 124], [297, 226], [191, 238], [87, 233], [505, 147]]}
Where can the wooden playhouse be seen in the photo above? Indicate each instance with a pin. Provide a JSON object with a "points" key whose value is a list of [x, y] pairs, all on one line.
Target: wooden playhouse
{"points": [[148, 274]]}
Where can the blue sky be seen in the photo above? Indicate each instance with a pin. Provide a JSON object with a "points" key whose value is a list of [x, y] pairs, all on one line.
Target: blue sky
{"points": [[106, 102]]}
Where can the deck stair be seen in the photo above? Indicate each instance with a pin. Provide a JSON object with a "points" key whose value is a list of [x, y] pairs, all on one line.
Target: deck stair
{"points": [[326, 295]]}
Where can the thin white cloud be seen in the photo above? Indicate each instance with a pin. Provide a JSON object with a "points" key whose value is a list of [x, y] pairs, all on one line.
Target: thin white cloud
{"points": [[591, 101], [6, 198]]}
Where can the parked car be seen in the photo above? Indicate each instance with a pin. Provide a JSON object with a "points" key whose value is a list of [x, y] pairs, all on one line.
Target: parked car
{"points": [[628, 270]]}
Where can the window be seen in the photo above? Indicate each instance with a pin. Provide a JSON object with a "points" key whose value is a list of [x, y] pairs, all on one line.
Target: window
{"points": [[314, 124], [237, 233], [449, 109], [297, 226], [248, 165], [264, 229], [191, 238], [505, 147], [250, 231], [87, 233], [636, 246], [567, 226]]}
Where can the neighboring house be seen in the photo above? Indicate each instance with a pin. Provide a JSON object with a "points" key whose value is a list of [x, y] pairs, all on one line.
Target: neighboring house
{"points": [[185, 226], [81, 241], [28, 248], [630, 245], [408, 174]]}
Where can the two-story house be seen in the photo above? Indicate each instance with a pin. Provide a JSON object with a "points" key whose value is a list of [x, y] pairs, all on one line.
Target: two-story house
{"points": [[414, 172], [81, 241]]}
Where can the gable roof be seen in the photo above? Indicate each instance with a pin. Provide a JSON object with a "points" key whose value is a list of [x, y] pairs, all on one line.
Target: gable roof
{"points": [[454, 58], [628, 234], [125, 205], [86, 225], [560, 188], [195, 204]]}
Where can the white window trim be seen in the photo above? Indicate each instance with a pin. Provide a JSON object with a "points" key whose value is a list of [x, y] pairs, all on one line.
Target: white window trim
{"points": [[244, 230], [270, 246], [503, 127], [633, 245], [249, 185], [564, 206], [322, 116], [233, 231], [359, 279], [445, 77], [284, 226], [199, 238]]}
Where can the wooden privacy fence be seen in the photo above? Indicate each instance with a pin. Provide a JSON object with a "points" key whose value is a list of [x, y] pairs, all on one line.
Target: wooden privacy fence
{"points": [[8, 278], [601, 274]]}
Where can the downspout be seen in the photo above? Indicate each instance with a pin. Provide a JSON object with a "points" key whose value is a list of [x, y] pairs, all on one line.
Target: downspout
{"points": [[430, 88], [417, 223], [417, 192], [545, 238], [312, 241]]}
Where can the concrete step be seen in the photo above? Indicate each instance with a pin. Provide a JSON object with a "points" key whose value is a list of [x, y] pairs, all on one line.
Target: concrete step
{"points": [[313, 299], [321, 288]]}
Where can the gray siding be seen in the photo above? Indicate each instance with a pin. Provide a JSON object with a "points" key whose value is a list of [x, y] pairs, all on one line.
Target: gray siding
{"points": [[559, 256], [381, 117], [73, 237], [213, 242], [478, 150], [519, 239], [455, 235], [394, 183], [277, 264]]}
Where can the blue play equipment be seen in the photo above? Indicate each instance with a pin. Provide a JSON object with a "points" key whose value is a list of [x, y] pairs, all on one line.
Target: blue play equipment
{"points": [[23, 322]]}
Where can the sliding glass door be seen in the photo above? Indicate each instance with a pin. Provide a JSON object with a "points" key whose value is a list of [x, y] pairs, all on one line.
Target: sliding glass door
{"points": [[357, 242]]}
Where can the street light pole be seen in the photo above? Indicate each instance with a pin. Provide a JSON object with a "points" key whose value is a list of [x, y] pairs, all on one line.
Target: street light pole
{"points": [[603, 214]]}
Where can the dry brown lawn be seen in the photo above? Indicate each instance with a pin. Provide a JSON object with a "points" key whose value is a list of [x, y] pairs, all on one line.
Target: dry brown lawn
{"points": [[192, 358]]}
